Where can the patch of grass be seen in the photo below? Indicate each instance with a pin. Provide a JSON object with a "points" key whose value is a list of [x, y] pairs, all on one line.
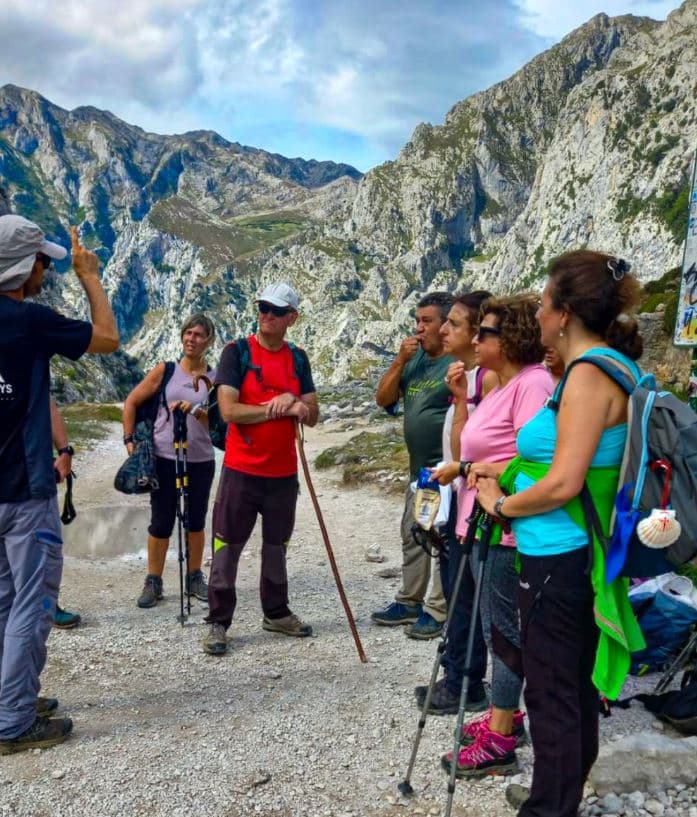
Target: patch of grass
{"points": [[366, 454], [221, 242], [88, 422]]}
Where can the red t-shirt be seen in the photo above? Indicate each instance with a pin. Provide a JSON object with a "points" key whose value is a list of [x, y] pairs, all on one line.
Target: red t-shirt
{"points": [[265, 449]]}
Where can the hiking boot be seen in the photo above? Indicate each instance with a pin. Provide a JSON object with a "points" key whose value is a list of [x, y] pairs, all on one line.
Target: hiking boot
{"points": [[517, 795], [425, 627], [442, 698], [44, 706], [65, 620], [215, 643], [471, 730], [288, 625], [196, 585], [44, 732], [397, 613], [490, 754], [152, 591]]}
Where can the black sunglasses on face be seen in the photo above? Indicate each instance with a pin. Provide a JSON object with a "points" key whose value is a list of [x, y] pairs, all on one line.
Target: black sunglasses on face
{"points": [[278, 311], [483, 331], [45, 260]]}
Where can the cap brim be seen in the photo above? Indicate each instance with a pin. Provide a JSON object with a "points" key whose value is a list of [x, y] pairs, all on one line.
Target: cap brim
{"points": [[54, 251], [275, 301]]}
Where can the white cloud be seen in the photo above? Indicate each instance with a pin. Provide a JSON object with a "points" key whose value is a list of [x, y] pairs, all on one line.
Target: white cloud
{"points": [[295, 75]]}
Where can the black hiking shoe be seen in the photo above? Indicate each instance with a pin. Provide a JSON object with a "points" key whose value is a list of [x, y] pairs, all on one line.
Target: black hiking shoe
{"points": [[196, 585], [446, 702], [44, 732], [152, 591], [215, 643], [45, 706]]}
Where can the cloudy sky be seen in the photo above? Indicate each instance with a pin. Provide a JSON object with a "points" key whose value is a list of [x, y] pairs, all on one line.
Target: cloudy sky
{"points": [[327, 79]]}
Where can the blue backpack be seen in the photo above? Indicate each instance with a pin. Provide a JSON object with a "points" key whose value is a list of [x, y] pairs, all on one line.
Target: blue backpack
{"points": [[659, 471], [217, 427]]}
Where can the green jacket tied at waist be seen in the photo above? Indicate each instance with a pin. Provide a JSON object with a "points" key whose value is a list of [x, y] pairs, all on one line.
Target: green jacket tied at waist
{"points": [[620, 633]]}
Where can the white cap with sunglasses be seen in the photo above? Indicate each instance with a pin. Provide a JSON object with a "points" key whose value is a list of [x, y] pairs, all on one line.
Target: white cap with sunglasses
{"points": [[280, 295], [20, 243]]}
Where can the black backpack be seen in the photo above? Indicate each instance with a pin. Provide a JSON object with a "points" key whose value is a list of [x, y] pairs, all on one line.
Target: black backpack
{"points": [[217, 427], [148, 410]]}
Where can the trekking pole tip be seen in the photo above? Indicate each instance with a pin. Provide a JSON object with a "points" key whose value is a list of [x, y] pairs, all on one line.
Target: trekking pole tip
{"points": [[405, 788]]}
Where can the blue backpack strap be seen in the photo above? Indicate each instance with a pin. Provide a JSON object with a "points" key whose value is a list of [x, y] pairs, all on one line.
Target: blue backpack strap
{"points": [[620, 376]]}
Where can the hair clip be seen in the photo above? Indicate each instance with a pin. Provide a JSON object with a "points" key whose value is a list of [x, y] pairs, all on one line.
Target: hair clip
{"points": [[618, 267]]}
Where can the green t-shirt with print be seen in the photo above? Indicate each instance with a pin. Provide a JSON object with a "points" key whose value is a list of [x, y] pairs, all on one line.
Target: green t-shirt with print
{"points": [[426, 400]]}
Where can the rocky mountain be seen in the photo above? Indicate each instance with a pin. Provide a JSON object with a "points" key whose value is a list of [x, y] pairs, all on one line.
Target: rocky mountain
{"points": [[589, 144]]}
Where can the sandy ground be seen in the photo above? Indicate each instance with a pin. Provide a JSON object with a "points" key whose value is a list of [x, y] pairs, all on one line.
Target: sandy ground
{"points": [[278, 726]]}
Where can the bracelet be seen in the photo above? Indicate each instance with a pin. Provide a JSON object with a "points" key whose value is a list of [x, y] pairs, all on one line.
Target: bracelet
{"points": [[498, 505], [128, 438], [465, 466]]}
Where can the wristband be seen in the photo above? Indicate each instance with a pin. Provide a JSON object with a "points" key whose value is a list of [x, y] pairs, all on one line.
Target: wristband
{"points": [[465, 466], [128, 438], [67, 449], [497, 509]]}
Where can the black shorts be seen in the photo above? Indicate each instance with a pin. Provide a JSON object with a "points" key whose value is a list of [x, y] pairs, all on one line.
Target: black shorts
{"points": [[163, 501]]}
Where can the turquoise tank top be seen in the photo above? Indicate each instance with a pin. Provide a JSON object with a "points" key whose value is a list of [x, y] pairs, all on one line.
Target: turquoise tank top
{"points": [[554, 532]]}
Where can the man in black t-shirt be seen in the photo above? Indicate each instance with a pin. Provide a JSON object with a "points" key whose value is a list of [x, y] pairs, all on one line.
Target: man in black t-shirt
{"points": [[30, 536]]}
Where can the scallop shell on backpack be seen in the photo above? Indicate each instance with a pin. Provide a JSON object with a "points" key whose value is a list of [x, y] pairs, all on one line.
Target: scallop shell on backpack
{"points": [[660, 529]]}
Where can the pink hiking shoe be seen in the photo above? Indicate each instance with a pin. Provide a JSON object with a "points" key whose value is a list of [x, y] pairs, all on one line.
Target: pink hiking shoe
{"points": [[471, 730], [490, 754]]}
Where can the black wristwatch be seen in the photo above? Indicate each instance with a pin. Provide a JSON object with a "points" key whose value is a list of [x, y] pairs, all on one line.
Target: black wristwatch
{"points": [[67, 449]]}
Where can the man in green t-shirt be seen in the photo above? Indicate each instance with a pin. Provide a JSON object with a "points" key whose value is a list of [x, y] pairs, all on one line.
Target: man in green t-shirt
{"points": [[418, 376]]}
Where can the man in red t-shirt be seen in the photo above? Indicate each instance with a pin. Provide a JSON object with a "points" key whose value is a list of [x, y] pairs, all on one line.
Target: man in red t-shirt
{"points": [[260, 470]]}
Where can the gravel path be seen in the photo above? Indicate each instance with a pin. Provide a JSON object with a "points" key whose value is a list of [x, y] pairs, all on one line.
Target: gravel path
{"points": [[277, 727]]}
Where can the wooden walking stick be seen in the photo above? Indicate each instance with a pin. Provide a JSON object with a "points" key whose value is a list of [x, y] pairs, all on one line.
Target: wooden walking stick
{"points": [[327, 544]]}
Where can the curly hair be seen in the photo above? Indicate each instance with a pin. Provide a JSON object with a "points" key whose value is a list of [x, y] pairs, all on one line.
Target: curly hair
{"points": [[599, 290], [520, 332]]}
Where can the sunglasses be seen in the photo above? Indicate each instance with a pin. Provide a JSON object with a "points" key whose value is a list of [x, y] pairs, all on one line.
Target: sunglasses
{"points": [[483, 331], [45, 260], [278, 311]]}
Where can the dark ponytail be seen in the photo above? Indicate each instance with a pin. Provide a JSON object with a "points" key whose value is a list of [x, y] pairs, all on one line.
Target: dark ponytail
{"points": [[600, 291]]}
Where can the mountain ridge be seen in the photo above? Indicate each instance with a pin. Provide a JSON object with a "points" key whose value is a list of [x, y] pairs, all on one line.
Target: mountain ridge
{"points": [[590, 143]]}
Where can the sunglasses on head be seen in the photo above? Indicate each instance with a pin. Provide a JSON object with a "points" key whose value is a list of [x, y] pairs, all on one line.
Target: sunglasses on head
{"points": [[483, 331], [278, 311], [45, 260]]}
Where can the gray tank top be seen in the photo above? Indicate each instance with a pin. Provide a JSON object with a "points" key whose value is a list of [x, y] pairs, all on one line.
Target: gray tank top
{"points": [[181, 387]]}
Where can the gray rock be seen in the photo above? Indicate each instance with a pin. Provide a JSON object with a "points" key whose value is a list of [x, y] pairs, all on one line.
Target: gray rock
{"points": [[654, 807], [635, 800], [611, 803], [640, 761]]}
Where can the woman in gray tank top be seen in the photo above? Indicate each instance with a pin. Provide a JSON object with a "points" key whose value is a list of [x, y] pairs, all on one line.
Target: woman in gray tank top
{"points": [[197, 334]]}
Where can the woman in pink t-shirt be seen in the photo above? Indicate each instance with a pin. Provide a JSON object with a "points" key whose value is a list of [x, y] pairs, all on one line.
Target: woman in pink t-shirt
{"points": [[507, 343]]}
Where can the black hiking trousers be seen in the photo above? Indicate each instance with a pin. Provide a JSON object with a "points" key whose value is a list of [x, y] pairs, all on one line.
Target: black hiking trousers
{"points": [[559, 638]]}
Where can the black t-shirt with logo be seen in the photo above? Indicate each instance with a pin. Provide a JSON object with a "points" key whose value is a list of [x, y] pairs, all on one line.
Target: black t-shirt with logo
{"points": [[30, 334]]}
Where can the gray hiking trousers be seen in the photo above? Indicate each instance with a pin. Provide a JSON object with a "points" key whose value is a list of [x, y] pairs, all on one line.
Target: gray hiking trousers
{"points": [[31, 563]]}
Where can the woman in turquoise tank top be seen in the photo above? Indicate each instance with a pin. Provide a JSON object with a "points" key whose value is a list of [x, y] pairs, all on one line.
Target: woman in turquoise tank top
{"points": [[562, 607]]}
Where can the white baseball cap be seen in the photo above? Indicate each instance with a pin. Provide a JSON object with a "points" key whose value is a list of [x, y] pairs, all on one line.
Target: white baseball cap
{"points": [[20, 241], [280, 295]]}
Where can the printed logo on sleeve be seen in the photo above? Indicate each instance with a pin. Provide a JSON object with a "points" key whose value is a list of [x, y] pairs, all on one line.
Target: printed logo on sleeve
{"points": [[5, 387]]}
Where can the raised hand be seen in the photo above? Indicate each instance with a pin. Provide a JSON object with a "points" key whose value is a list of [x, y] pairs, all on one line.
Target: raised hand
{"points": [[85, 263]]}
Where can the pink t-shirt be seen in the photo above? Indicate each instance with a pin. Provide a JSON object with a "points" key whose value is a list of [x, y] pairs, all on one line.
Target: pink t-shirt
{"points": [[489, 434]]}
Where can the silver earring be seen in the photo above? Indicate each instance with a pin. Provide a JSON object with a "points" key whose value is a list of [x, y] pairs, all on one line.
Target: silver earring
{"points": [[561, 333]]}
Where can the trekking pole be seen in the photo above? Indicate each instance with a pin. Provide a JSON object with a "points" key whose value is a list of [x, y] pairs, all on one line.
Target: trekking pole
{"points": [[681, 660], [327, 544], [405, 786], [485, 527], [182, 486]]}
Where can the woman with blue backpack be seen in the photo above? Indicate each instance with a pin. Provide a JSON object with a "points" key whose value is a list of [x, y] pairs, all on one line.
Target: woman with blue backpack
{"points": [[167, 387], [576, 631]]}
